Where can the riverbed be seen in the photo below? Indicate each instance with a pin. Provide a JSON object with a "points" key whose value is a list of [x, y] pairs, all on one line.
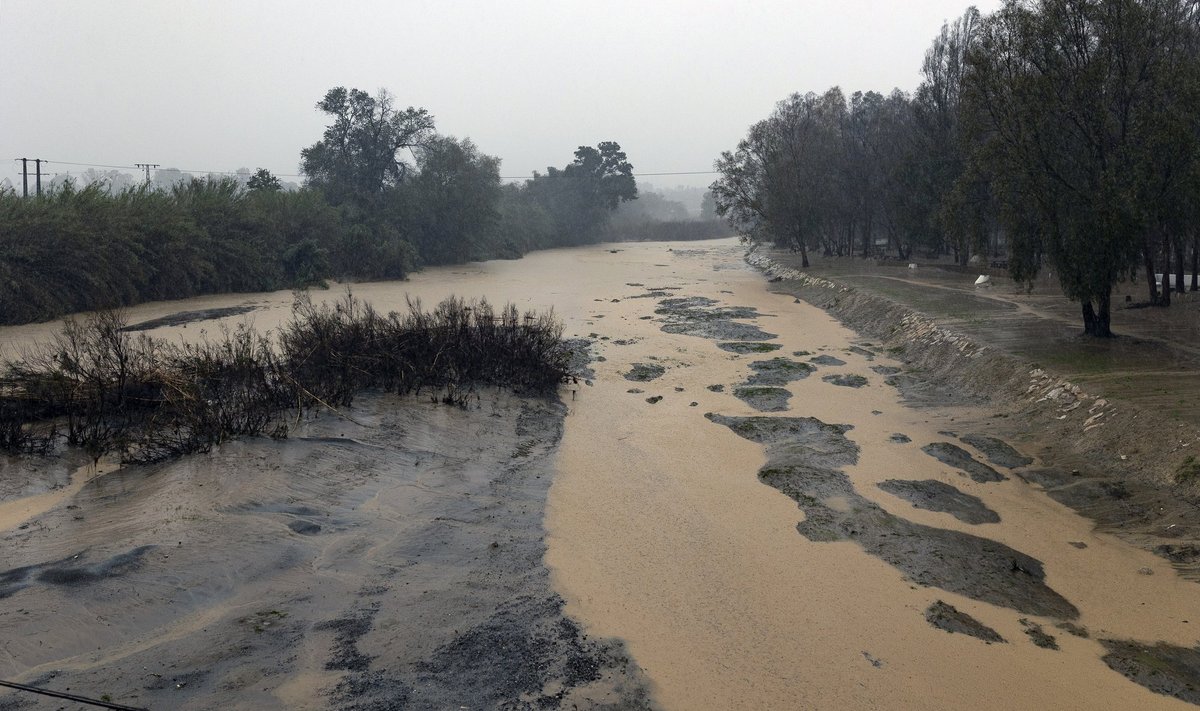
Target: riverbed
{"points": [[737, 508]]}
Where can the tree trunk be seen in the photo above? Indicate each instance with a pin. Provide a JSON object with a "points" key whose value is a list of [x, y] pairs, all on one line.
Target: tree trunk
{"points": [[1165, 294], [1179, 287], [1104, 315], [1196, 262], [803, 255], [1089, 318], [1148, 261]]}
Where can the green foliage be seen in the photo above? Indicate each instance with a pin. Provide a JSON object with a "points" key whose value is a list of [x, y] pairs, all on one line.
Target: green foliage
{"points": [[1083, 111], [580, 198], [263, 180], [365, 213], [358, 157], [78, 250]]}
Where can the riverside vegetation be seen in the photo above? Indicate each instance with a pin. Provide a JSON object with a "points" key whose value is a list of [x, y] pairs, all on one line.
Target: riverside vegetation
{"points": [[98, 387], [1049, 134], [384, 195]]}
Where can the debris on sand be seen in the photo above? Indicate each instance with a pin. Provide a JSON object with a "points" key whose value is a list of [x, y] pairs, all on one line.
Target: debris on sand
{"points": [[946, 617], [1039, 636], [846, 381], [933, 495], [778, 371], [805, 461], [959, 458], [1162, 668], [997, 451], [645, 372], [763, 398]]}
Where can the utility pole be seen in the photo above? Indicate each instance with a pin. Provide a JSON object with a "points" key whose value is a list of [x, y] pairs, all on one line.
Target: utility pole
{"points": [[24, 177], [38, 163], [147, 166]]}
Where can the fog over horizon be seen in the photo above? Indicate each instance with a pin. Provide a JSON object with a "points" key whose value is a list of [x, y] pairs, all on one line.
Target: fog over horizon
{"points": [[221, 85]]}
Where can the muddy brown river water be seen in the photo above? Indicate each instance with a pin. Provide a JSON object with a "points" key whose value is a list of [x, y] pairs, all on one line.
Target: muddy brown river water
{"points": [[696, 526]]}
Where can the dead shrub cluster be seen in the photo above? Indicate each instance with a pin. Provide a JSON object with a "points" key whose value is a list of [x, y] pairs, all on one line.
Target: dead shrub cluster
{"points": [[98, 387]]}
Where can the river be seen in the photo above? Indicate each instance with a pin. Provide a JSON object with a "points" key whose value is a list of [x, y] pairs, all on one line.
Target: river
{"points": [[285, 573]]}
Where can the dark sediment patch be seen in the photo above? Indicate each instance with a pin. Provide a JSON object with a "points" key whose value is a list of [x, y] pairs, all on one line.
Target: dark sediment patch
{"points": [[654, 399], [1073, 629], [304, 528], [699, 316], [645, 372], [933, 495], [885, 370], [959, 458], [1039, 636], [1162, 668], [857, 350], [763, 398], [749, 347], [826, 360], [69, 572], [715, 388], [185, 317], [778, 371], [656, 294], [505, 657], [348, 630], [900, 438], [579, 357], [846, 381], [997, 451], [946, 617], [804, 460]]}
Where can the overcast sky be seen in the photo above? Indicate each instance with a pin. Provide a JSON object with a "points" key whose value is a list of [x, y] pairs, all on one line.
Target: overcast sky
{"points": [[222, 84]]}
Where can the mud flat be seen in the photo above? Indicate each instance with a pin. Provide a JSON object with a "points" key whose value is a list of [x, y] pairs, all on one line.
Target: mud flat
{"points": [[389, 561]]}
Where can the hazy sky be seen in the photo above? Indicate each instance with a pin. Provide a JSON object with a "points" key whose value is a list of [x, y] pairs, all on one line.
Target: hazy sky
{"points": [[222, 84]]}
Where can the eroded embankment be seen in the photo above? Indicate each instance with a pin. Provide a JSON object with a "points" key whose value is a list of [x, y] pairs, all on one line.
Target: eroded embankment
{"points": [[1125, 468]]}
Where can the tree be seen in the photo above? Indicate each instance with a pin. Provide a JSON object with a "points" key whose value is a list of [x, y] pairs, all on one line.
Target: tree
{"points": [[1072, 102], [264, 181], [581, 197], [452, 201], [358, 157], [942, 154], [779, 184]]}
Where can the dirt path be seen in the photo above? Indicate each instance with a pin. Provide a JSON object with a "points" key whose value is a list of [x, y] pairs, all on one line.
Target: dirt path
{"points": [[1152, 345]]}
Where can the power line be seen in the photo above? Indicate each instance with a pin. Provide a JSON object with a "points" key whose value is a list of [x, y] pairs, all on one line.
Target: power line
{"points": [[637, 175], [140, 166]]}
